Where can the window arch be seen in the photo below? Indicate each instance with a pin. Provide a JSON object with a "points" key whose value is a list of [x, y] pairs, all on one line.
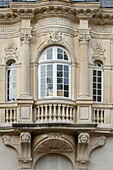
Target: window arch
{"points": [[54, 73], [11, 80], [98, 81]]}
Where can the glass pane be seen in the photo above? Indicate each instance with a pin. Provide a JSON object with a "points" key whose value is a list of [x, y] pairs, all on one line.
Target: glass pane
{"points": [[99, 98], [59, 93], [66, 94], [94, 91], [59, 67], [59, 80], [66, 68], [59, 73], [94, 79], [99, 79], [59, 86], [49, 53], [66, 87], [94, 72], [66, 74], [59, 56], [94, 98], [99, 73], [65, 56], [66, 81], [99, 92], [94, 85]]}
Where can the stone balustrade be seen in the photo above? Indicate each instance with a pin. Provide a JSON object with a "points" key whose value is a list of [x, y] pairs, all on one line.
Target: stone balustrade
{"points": [[102, 115], [55, 112], [8, 113]]}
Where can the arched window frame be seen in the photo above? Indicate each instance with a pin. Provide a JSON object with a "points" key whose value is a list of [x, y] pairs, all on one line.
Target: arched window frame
{"points": [[47, 58], [11, 81], [98, 81]]}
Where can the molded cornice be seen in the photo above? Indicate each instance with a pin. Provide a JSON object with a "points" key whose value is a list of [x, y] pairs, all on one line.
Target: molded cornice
{"points": [[59, 8]]}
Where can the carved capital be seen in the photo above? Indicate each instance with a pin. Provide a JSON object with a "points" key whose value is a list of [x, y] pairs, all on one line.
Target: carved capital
{"points": [[83, 138], [25, 137], [84, 38], [25, 38]]}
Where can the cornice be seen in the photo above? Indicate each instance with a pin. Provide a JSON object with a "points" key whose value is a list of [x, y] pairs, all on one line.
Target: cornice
{"points": [[73, 11]]}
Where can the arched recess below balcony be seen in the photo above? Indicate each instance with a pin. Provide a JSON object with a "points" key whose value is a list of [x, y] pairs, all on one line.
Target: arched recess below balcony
{"points": [[53, 144]]}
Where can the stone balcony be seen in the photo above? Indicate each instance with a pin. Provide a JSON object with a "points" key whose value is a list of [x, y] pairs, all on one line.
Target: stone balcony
{"points": [[56, 111]]}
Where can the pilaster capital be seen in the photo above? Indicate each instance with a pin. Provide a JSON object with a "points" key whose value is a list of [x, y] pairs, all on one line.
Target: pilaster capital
{"points": [[25, 38], [84, 38]]}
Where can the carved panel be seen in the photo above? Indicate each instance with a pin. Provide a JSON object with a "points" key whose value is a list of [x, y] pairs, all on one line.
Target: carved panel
{"points": [[11, 51], [83, 138], [98, 52], [55, 37], [25, 137]]}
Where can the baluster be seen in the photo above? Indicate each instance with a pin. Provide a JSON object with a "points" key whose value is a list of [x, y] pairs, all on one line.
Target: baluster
{"points": [[11, 115], [15, 115], [94, 115], [67, 113], [46, 112], [102, 116], [59, 112], [50, 112], [63, 112], [38, 113], [54, 112], [72, 112], [42, 112], [98, 116], [6, 116]]}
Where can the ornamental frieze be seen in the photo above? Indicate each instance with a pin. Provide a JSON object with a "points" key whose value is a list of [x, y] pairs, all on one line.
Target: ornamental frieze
{"points": [[10, 28], [54, 21]]}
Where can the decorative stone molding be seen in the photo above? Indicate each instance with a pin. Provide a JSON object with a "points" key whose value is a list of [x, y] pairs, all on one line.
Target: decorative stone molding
{"points": [[11, 51], [25, 137], [84, 38], [98, 52], [55, 37], [83, 138], [25, 38]]}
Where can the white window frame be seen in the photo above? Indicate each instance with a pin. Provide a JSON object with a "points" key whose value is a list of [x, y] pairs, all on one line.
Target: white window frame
{"points": [[97, 68], [11, 68], [54, 62]]}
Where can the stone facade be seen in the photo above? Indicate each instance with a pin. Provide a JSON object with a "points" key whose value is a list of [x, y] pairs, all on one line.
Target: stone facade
{"points": [[73, 132]]}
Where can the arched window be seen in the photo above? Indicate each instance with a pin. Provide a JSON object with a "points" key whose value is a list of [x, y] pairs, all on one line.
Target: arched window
{"points": [[54, 73], [11, 81], [97, 82]]}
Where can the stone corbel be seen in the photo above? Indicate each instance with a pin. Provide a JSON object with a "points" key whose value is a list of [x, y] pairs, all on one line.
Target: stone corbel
{"points": [[84, 38], [25, 158], [83, 141], [11, 141], [97, 142]]}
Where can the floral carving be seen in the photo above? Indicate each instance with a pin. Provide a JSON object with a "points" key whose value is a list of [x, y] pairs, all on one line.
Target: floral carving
{"points": [[54, 135], [83, 138], [55, 37], [25, 137], [25, 38], [98, 52], [11, 51], [84, 38]]}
